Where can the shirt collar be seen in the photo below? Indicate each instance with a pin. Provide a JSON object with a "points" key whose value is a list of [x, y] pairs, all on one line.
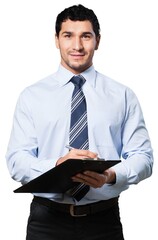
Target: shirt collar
{"points": [[63, 75]]}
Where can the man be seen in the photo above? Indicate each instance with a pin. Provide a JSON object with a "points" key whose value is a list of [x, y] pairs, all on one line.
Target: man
{"points": [[114, 129]]}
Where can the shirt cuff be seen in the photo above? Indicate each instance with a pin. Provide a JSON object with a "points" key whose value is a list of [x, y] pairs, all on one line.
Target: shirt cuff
{"points": [[41, 166], [121, 174]]}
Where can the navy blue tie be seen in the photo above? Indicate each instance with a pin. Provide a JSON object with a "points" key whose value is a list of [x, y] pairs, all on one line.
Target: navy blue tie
{"points": [[78, 128]]}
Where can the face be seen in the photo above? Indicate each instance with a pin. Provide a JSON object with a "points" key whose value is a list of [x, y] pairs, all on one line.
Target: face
{"points": [[77, 43]]}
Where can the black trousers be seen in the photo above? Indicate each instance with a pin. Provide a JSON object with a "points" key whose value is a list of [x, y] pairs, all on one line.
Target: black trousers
{"points": [[45, 223]]}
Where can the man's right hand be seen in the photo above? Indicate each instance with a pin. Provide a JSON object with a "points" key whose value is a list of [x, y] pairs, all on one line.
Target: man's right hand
{"points": [[77, 154]]}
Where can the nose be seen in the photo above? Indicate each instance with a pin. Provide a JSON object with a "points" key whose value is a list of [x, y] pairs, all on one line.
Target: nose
{"points": [[77, 44]]}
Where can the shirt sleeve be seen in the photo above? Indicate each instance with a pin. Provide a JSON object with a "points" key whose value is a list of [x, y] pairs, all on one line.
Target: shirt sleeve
{"points": [[136, 147], [22, 153]]}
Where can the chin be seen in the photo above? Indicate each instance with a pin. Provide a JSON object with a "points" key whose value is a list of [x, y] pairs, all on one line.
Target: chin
{"points": [[78, 67]]}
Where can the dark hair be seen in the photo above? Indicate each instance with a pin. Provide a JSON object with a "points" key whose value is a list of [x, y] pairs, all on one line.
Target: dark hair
{"points": [[77, 13]]}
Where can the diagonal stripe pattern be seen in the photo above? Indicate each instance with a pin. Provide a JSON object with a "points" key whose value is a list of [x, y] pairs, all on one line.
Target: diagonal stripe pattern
{"points": [[78, 137], [78, 128]]}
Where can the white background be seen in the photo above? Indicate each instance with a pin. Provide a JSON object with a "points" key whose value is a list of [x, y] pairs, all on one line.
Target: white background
{"points": [[128, 53]]}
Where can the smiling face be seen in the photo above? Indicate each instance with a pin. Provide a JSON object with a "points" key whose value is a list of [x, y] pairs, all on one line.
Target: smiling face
{"points": [[77, 43]]}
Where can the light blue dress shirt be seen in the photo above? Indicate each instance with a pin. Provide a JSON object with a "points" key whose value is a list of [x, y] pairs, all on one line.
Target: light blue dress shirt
{"points": [[115, 124]]}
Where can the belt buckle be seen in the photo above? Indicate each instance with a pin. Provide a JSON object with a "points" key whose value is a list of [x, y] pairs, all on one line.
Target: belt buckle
{"points": [[72, 212]]}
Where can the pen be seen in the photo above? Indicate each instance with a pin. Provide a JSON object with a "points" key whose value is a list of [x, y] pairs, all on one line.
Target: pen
{"points": [[69, 147]]}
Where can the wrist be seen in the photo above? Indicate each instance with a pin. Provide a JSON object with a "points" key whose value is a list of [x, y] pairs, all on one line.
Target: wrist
{"points": [[110, 176]]}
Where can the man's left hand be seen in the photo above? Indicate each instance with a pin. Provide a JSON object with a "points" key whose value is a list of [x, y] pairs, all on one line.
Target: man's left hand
{"points": [[94, 179]]}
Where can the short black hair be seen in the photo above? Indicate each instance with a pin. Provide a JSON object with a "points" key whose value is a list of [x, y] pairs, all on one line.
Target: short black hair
{"points": [[77, 13]]}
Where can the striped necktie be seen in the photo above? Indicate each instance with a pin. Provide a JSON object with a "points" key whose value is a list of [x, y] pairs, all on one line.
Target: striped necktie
{"points": [[78, 137]]}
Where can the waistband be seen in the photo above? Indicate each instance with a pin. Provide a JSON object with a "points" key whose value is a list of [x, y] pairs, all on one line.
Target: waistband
{"points": [[78, 210]]}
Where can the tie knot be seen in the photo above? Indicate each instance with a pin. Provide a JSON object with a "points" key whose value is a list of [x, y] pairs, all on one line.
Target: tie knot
{"points": [[78, 81]]}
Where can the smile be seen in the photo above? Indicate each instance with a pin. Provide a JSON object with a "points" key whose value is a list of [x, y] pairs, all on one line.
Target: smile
{"points": [[77, 56]]}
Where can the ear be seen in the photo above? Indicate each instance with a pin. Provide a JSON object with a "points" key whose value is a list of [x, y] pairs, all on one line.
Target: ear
{"points": [[56, 41], [97, 42]]}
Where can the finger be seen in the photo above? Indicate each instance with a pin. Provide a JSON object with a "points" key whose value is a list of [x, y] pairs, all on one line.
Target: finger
{"points": [[99, 179], [93, 180], [83, 153]]}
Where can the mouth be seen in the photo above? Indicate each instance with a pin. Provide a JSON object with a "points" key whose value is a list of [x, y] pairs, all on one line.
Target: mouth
{"points": [[77, 55]]}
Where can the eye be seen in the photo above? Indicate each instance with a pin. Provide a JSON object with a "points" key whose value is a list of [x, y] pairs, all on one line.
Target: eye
{"points": [[67, 35], [86, 36]]}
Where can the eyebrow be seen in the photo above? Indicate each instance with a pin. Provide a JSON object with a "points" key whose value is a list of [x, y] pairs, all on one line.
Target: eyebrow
{"points": [[66, 32], [69, 32], [87, 33]]}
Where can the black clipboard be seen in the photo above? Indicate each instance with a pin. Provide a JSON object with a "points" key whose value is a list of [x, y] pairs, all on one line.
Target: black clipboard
{"points": [[58, 179]]}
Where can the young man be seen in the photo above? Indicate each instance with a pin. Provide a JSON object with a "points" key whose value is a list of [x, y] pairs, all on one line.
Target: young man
{"points": [[113, 126]]}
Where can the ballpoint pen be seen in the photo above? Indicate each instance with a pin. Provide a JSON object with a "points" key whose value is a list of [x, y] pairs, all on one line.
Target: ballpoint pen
{"points": [[69, 147]]}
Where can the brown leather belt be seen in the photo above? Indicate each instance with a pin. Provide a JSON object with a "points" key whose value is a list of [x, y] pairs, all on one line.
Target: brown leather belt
{"points": [[77, 210]]}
